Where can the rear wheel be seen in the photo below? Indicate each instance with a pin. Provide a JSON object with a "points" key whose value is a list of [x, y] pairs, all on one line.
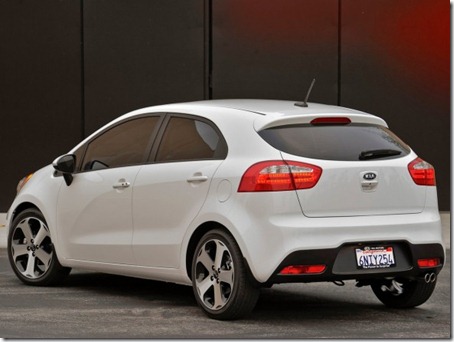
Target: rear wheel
{"points": [[403, 293], [219, 277], [31, 251]]}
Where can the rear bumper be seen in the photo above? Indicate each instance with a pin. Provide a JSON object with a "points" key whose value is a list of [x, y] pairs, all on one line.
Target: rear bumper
{"points": [[270, 229], [341, 262]]}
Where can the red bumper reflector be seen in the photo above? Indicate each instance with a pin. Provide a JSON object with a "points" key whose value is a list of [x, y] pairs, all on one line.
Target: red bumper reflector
{"points": [[302, 269], [427, 263]]}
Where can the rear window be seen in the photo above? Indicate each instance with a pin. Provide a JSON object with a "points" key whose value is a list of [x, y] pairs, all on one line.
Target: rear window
{"points": [[336, 142]]}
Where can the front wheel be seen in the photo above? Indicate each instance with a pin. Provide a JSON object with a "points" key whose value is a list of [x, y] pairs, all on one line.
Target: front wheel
{"points": [[220, 281], [403, 293], [31, 252]]}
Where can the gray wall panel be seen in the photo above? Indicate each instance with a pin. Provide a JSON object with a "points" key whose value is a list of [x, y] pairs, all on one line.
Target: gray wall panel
{"points": [[390, 58], [395, 64], [273, 49], [140, 53], [40, 86]]}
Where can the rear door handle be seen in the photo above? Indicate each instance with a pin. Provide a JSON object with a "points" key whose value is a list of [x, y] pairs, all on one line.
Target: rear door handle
{"points": [[122, 184], [197, 178]]}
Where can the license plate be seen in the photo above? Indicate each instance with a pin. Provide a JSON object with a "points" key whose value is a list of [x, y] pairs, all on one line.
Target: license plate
{"points": [[375, 257]]}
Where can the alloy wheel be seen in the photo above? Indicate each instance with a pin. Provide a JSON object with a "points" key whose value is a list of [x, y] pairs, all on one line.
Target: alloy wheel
{"points": [[31, 248], [214, 274]]}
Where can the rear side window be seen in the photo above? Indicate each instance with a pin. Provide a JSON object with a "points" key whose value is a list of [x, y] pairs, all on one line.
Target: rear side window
{"points": [[336, 142], [187, 139]]}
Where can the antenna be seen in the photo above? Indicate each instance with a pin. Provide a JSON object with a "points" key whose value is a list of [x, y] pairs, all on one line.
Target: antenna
{"points": [[304, 103]]}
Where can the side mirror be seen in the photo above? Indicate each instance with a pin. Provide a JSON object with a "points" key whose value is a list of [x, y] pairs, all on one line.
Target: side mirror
{"points": [[66, 164]]}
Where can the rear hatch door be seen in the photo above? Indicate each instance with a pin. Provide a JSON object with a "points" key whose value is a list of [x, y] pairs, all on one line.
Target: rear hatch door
{"points": [[358, 189], [365, 168]]}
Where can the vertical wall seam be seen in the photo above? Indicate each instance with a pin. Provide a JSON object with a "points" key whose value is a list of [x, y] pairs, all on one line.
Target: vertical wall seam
{"points": [[208, 47], [339, 51], [82, 70]]}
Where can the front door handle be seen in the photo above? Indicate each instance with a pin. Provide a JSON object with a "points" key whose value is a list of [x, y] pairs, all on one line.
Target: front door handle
{"points": [[122, 184]]}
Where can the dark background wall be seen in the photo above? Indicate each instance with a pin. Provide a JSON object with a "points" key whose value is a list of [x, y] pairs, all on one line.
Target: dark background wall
{"points": [[70, 66]]}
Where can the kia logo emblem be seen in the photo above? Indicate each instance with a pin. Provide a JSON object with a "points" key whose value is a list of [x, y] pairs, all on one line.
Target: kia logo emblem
{"points": [[370, 176]]}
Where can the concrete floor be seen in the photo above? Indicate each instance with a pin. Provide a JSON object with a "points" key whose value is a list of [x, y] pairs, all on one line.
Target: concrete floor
{"points": [[94, 305]]}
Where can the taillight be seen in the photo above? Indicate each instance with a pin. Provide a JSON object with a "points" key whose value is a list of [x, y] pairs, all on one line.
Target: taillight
{"points": [[422, 172], [278, 175]]}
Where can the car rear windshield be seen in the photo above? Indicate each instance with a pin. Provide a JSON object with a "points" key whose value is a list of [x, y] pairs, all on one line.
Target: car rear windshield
{"points": [[352, 142]]}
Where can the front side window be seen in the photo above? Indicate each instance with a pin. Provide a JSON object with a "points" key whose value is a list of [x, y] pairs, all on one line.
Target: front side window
{"points": [[123, 145], [190, 139]]}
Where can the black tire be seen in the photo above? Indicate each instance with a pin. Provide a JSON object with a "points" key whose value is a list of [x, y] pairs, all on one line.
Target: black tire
{"points": [[224, 292], [414, 293], [31, 252]]}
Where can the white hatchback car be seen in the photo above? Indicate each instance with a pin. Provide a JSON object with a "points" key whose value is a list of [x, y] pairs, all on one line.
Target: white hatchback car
{"points": [[233, 195]]}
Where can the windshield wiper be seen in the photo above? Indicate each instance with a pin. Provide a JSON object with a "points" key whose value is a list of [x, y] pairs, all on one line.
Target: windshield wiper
{"points": [[376, 154]]}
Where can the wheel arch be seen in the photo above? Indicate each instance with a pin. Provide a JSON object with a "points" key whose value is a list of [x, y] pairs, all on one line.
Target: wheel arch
{"points": [[197, 235], [49, 218], [22, 207], [53, 271], [195, 238]]}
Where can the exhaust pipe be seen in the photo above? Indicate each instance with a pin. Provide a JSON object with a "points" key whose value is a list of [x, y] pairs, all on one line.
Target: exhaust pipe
{"points": [[430, 278]]}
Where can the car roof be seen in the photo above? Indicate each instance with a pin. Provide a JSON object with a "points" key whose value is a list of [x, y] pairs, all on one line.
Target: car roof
{"points": [[267, 113], [272, 113], [275, 107]]}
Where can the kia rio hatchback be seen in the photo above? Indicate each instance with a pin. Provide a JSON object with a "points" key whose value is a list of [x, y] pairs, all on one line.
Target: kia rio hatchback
{"points": [[230, 196]]}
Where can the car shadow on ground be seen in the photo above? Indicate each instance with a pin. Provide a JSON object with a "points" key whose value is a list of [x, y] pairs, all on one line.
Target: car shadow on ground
{"points": [[128, 287], [293, 303]]}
